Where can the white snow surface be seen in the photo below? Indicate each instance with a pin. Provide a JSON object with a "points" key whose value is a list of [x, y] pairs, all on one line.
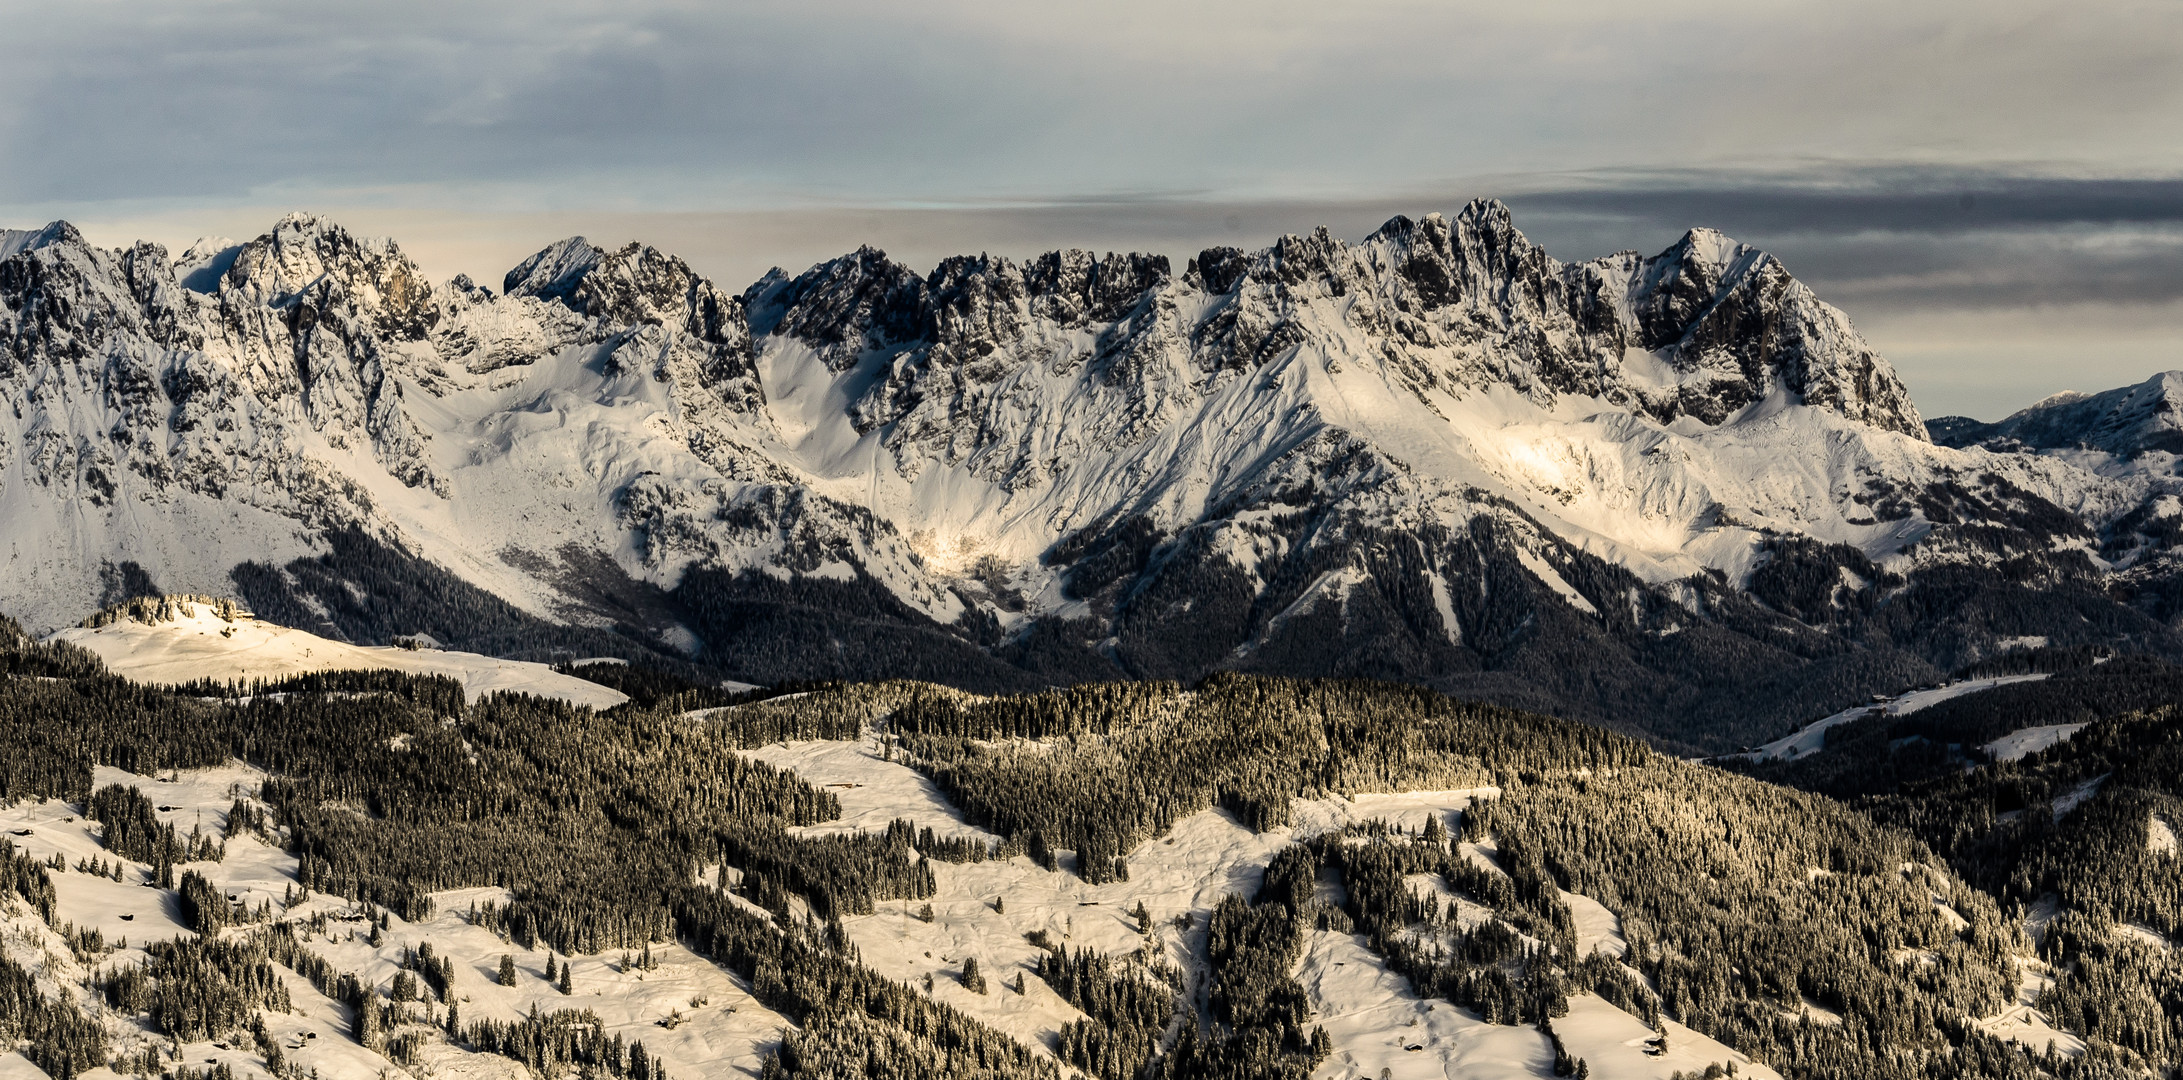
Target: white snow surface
{"points": [[2023, 1023], [513, 430], [1372, 1014], [1380, 1026], [2076, 796], [2022, 743], [1811, 737], [723, 1032], [200, 644], [2159, 837]]}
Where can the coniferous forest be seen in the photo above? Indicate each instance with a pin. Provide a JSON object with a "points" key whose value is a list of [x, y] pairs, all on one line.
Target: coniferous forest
{"points": [[1749, 907]]}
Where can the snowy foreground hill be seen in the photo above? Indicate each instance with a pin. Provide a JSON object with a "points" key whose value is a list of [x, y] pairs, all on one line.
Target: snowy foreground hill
{"points": [[1673, 493], [370, 874]]}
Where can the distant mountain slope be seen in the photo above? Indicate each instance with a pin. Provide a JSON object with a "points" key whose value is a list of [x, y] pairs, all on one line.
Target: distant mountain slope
{"points": [[1675, 493], [2128, 422]]}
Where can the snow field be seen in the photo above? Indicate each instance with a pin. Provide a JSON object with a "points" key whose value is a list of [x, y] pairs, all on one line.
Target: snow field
{"points": [[2076, 796], [1375, 1019], [1203, 858], [2020, 744], [201, 645], [721, 1031], [2022, 1022], [870, 797], [2145, 934], [1371, 1013], [1598, 929], [1809, 738]]}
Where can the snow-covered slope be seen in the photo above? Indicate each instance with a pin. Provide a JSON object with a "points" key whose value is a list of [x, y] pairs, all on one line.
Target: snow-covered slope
{"points": [[1811, 737], [1437, 453], [717, 1030], [2129, 422], [198, 643]]}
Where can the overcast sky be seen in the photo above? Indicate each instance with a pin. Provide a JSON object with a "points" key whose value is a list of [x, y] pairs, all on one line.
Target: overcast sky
{"points": [[1987, 188]]}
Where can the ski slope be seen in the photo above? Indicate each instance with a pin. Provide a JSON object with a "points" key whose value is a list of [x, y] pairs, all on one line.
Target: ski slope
{"points": [[2024, 742], [1811, 737]]}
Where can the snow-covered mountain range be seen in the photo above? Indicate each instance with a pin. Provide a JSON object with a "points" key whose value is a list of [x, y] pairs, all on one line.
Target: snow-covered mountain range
{"points": [[1676, 492]]}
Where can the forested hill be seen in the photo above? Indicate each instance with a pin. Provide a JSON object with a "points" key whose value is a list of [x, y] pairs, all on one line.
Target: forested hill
{"points": [[2059, 797], [694, 834]]}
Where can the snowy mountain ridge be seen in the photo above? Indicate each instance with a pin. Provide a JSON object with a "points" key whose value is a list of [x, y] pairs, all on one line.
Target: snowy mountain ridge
{"points": [[1065, 468]]}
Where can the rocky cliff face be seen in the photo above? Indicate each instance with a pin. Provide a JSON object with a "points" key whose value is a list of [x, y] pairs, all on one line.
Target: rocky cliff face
{"points": [[1436, 453]]}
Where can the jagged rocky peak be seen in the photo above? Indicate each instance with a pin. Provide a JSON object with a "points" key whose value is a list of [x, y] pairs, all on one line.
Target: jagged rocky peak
{"points": [[1670, 291], [313, 265], [969, 306], [846, 306], [200, 266], [653, 310], [2128, 422], [555, 272], [1727, 322], [1075, 288], [1479, 256], [13, 241], [61, 299], [1733, 316]]}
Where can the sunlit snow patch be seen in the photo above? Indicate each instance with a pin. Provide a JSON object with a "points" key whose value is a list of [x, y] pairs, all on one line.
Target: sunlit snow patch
{"points": [[1809, 738], [199, 644], [2028, 741]]}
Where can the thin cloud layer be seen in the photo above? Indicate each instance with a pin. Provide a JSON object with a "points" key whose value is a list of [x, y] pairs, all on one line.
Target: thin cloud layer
{"points": [[689, 103], [1968, 180]]}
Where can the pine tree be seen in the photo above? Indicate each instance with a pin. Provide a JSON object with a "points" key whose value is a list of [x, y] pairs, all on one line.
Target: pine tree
{"points": [[567, 986], [507, 969]]}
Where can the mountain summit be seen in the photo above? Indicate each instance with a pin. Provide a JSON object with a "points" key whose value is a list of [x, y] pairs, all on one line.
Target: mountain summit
{"points": [[1613, 488]]}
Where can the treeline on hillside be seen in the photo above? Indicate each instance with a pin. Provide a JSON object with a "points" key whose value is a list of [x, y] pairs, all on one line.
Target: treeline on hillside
{"points": [[22, 656], [58, 1037], [2043, 660], [1260, 1012], [439, 694], [1245, 744], [152, 610], [596, 822], [1742, 900], [2075, 827], [366, 591], [1881, 753], [1512, 968], [650, 687]]}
